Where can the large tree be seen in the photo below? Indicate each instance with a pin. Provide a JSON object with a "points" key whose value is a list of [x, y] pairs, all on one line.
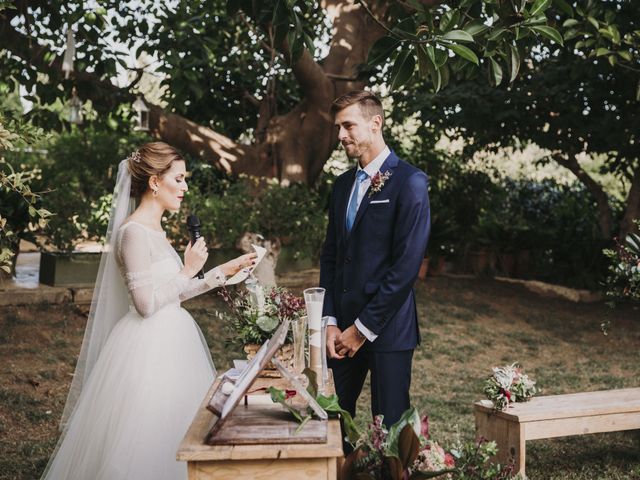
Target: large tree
{"points": [[249, 84], [584, 98]]}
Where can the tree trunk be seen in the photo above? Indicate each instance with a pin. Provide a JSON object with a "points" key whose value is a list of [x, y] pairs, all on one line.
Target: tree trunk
{"points": [[632, 210], [605, 215]]}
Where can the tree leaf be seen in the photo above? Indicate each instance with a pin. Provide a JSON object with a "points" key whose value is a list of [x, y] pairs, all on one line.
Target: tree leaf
{"points": [[382, 49], [496, 71], [539, 6], [496, 34], [515, 62], [476, 27], [549, 32], [464, 52], [564, 7], [402, 69], [458, 36], [570, 22]]}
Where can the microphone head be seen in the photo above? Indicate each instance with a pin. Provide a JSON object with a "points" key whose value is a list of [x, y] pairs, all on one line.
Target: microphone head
{"points": [[193, 221]]}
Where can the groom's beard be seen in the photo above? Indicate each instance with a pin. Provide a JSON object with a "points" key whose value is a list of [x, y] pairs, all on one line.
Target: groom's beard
{"points": [[355, 150]]}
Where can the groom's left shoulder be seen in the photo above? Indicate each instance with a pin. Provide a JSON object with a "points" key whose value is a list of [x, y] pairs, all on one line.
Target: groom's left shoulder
{"points": [[411, 173]]}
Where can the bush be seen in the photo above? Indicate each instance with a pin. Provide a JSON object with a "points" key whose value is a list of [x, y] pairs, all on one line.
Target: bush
{"points": [[230, 207], [80, 168]]}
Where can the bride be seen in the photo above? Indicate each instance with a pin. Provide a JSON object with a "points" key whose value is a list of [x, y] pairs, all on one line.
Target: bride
{"points": [[144, 366]]}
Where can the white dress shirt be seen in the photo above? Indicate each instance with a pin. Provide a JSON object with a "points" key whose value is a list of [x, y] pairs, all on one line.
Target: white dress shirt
{"points": [[371, 169]]}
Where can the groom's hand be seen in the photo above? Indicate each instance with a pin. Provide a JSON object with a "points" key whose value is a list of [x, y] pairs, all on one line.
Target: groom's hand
{"points": [[350, 341], [333, 333]]}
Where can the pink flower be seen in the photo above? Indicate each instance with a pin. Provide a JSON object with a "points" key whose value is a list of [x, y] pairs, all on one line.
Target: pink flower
{"points": [[449, 461]]}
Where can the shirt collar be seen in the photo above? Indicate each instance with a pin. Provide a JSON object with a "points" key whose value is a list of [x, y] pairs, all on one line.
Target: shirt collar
{"points": [[374, 166]]}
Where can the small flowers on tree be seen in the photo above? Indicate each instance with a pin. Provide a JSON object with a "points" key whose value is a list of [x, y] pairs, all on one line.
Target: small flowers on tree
{"points": [[507, 385]]}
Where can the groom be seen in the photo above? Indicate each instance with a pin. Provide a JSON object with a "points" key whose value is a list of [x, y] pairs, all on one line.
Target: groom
{"points": [[376, 239]]}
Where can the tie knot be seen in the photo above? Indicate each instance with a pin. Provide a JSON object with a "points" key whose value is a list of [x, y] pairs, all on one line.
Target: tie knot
{"points": [[361, 176]]}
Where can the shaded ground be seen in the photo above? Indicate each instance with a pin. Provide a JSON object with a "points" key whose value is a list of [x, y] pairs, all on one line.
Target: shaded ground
{"points": [[468, 326]]}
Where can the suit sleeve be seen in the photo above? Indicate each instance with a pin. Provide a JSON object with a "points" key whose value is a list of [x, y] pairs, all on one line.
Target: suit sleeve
{"points": [[328, 261], [411, 234]]}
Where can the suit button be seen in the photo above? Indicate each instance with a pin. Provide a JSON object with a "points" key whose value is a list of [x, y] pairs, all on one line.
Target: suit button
{"points": [[344, 290]]}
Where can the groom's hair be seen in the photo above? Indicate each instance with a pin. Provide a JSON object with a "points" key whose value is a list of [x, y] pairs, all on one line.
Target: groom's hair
{"points": [[370, 105]]}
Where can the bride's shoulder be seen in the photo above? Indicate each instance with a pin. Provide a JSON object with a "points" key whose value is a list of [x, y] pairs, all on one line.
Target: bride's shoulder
{"points": [[130, 227]]}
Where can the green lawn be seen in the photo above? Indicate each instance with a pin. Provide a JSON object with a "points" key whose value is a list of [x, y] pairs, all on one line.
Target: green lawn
{"points": [[468, 326]]}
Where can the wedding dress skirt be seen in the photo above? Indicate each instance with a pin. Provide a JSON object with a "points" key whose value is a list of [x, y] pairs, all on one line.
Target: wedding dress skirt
{"points": [[138, 402]]}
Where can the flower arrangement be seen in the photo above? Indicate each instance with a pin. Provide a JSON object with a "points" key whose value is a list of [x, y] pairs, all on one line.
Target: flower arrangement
{"points": [[378, 181], [254, 314], [507, 385], [403, 451]]}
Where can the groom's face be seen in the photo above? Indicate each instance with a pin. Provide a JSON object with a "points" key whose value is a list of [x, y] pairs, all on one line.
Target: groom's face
{"points": [[356, 132]]}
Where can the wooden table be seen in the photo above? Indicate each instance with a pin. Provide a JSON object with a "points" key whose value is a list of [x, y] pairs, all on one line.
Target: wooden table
{"points": [[556, 416], [262, 461]]}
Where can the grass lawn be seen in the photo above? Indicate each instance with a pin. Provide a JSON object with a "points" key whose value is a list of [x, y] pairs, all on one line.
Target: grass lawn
{"points": [[468, 326]]}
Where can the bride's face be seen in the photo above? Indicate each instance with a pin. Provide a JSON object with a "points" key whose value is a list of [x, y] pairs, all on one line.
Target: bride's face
{"points": [[172, 186]]}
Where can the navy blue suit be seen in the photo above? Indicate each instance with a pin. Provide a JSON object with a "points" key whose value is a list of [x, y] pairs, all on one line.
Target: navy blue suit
{"points": [[368, 275]]}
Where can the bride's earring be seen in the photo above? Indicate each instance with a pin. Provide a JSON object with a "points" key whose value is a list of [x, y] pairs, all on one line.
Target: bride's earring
{"points": [[155, 192]]}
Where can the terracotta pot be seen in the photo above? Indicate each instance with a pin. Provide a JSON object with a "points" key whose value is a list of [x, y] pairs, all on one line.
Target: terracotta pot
{"points": [[284, 354], [507, 264], [437, 266], [424, 268], [479, 260]]}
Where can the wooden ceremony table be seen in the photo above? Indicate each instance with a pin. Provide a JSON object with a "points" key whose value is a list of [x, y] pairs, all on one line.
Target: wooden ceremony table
{"points": [[265, 460]]}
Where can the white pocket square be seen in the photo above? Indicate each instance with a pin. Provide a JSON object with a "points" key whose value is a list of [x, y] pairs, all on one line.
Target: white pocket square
{"points": [[379, 201]]}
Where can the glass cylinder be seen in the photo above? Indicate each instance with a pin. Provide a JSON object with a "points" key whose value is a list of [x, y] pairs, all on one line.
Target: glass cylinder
{"points": [[314, 300], [322, 383], [299, 331]]}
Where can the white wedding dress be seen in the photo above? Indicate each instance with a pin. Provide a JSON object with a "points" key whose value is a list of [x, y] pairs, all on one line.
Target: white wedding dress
{"points": [[150, 377]]}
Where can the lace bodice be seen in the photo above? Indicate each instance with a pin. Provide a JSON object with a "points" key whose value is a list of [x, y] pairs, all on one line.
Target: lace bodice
{"points": [[151, 270]]}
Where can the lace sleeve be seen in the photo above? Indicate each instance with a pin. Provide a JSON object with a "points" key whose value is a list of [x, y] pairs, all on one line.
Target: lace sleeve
{"points": [[134, 253]]}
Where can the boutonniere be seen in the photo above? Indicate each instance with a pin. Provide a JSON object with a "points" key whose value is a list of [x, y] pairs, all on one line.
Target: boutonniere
{"points": [[378, 181]]}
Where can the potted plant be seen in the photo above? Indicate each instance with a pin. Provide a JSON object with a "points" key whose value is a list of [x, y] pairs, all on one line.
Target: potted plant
{"points": [[254, 314]]}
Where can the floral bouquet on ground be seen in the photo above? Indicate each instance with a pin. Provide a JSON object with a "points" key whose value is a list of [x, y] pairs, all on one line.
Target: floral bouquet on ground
{"points": [[507, 385], [404, 451]]}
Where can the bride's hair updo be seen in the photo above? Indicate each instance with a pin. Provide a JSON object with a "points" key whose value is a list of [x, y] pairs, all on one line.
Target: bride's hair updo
{"points": [[153, 158]]}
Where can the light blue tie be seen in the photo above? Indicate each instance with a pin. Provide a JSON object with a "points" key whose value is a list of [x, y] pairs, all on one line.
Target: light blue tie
{"points": [[361, 176]]}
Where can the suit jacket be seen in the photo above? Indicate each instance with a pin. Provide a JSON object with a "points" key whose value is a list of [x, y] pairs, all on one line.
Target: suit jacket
{"points": [[369, 272]]}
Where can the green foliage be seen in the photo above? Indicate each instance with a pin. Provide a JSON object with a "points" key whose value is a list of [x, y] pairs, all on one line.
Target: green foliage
{"points": [[473, 462], [21, 212], [447, 40], [623, 279], [228, 208], [253, 314], [81, 165]]}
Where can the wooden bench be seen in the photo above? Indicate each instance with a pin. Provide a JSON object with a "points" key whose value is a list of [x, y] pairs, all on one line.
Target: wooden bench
{"points": [[556, 416]]}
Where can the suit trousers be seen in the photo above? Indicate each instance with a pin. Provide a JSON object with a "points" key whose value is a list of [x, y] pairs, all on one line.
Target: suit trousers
{"points": [[390, 382]]}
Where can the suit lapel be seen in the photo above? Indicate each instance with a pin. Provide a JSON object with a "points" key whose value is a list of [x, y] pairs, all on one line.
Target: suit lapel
{"points": [[389, 164]]}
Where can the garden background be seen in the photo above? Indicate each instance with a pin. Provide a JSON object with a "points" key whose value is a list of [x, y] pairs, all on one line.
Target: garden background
{"points": [[524, 114]]}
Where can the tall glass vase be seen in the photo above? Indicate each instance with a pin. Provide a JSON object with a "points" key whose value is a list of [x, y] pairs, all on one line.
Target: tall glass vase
{"points": [[314, 300], [324, 380], [299, 331]]}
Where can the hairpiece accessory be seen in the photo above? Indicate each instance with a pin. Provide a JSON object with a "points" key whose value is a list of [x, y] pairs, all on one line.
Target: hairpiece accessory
{"points": [[135, 156]]}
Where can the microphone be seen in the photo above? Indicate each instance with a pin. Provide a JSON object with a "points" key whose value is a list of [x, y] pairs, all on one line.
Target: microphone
{"points": [[193, 224]]}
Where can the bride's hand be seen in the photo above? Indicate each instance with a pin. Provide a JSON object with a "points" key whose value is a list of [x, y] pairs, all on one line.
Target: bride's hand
{"points": [[234, 266], [195, 257]]}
